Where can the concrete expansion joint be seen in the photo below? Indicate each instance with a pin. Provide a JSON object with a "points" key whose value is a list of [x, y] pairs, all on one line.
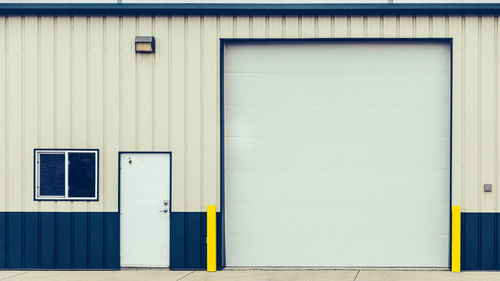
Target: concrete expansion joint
{"points": [[185, 276], [356, 277], [14, 275]]}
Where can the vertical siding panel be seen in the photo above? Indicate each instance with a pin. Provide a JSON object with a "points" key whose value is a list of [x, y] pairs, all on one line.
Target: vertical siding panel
{"points": [[63, 242], [95, 94], [129, 102], [193, 114], [324, 26], [22, 156], [96, 239], [14, 111], [111, 243], [242, 24], [62, 88], [80, 79], [373, 26], [194, 241], [457, 172], [438, 29], [178, 115], [471, 225], [3, 128], [111, 107], [422, 27], [161, 94], [210, 111], [80, 245], [14, 241], [47, 80], [31, 240], [178, 240], [30, 107], [226, 27], [47, 239], [258, 26], [471, 69], [307, 27], [487, 108], [340, 23], [406, 27], [357, 26], [292, 26], [144, 89], [389, 26], [275, 26]]}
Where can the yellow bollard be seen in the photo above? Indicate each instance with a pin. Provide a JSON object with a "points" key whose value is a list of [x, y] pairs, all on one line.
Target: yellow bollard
{"points": [[211, 239], [455, 238]]}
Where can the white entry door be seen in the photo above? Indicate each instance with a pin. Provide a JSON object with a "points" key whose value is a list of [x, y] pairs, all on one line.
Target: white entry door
{"points": [[144, 209]]}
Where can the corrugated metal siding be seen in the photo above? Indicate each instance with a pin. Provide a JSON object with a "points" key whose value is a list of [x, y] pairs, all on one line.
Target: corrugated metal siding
{"points": [[76, 82], [480, 241], [188, 244], [62, 240]]}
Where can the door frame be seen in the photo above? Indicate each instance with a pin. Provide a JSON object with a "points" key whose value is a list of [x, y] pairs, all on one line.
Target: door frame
{"points": [[169, 194], [222, 141]]}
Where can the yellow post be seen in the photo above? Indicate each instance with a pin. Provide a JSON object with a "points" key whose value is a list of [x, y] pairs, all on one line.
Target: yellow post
{"points": [[211, 239], [455, 238]]}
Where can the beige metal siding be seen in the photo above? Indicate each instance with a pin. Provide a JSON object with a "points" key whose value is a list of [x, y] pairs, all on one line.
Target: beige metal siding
{"points": [[76, 82]]}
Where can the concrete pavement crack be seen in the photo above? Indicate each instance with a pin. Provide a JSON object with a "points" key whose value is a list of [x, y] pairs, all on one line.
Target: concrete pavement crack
{"points": [[14, 275], [356, 277], [185, 275]]}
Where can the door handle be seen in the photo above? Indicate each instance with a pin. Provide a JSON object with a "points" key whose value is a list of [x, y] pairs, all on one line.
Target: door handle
{"points": [[164, 211]]}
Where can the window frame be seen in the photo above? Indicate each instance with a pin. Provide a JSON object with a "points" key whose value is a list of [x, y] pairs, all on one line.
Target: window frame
{"points": [[36, 174]]}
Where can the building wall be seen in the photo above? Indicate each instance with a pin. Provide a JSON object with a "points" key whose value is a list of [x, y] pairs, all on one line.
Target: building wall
{"points": [[76, 82]]}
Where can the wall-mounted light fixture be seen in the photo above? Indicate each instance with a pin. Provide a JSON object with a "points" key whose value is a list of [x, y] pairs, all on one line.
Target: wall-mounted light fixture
{"points": [[144, 44]]}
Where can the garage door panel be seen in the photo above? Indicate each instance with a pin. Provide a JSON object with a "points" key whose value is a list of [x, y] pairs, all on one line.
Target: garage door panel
{"points": [[337, 153], [339, 185], [340, 250], [336, 217], [340, 153], [338, 88], [321, 57], [337, 120]]}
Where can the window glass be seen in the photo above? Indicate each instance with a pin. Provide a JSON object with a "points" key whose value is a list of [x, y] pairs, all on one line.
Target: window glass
{"points": [[52, 172], [81, 174]]}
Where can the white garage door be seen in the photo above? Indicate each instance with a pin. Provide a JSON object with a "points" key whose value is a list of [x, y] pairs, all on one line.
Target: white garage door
{"points": [[337, 153]]}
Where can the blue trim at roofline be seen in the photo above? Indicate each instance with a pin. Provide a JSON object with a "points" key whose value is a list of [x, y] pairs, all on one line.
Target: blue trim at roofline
{"points": [[268, 9]]}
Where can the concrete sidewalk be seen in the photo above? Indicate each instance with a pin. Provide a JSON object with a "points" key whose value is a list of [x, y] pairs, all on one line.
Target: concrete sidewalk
{"points": [[251, 274]]}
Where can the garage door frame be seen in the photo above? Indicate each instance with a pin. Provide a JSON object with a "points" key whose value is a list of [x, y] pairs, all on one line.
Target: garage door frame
{"points": [[224, 41]]}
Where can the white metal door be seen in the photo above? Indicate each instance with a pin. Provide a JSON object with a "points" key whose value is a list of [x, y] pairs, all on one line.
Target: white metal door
{"points": [[144, 209], [337, 153]]}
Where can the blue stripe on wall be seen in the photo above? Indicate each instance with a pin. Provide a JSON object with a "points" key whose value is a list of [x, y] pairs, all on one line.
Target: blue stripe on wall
{"points": [[60, 240], [188, 232], [91, 240], [480, 241]]}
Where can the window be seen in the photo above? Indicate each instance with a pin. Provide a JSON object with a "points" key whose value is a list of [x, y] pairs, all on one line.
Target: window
{"points": [[66, 174]]}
